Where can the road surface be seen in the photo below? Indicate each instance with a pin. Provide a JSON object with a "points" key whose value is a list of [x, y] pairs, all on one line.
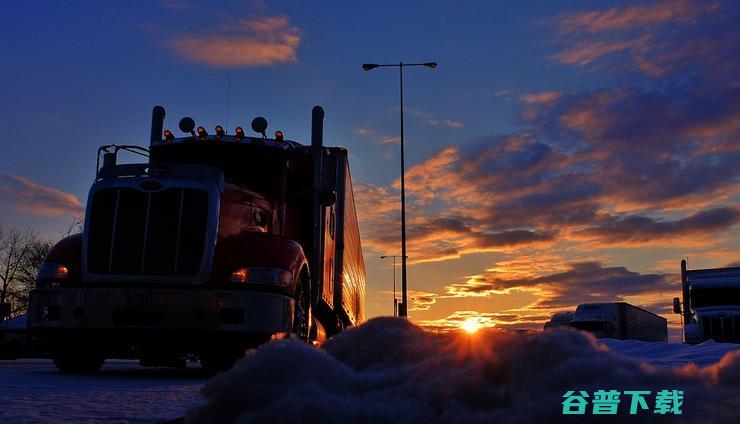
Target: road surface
{"points": [[32, 390]]}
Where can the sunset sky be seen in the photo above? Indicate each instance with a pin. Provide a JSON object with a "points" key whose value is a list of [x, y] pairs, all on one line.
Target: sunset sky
{"points": [[562, 152]]}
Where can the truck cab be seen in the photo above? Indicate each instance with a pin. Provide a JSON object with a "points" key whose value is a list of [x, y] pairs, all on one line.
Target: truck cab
{"points": [[711, 306]]}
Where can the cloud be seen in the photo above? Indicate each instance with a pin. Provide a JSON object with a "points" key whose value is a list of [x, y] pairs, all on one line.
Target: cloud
{"points": [[579, 282], [653, 39], [626, 18], [30, 197], [253, 42], [595, 166], [640, 229], [444, 122], [389, 370], [541, 97]]}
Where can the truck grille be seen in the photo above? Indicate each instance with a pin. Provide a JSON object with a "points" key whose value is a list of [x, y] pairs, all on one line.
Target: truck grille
{"points": [[721, 329], [132, 232]]}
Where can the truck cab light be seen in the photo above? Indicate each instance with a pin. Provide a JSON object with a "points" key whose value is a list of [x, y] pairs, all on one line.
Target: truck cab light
{"points": [[241, 275], [239, 133], [168, 136], [202, 134], [220, 131], [52, 271], [278, 136]]}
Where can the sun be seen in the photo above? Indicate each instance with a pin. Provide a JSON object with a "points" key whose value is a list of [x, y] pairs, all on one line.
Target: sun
{"points": [[470, 325]]}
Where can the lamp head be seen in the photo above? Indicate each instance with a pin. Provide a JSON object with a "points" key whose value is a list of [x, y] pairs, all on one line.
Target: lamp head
{"points": [[431, 65], [369, 66]]}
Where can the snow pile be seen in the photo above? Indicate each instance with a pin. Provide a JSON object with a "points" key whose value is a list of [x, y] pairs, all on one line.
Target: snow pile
{"points": [[389, 370], [663, 354]]}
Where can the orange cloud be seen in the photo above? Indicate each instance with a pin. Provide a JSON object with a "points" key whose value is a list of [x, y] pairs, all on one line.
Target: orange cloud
{"points": [[254, 42], [28, 196], [541, 97], [680, 11]]}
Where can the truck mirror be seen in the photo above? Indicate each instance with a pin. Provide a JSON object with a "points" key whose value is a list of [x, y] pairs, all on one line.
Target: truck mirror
{"points": [[676, 305], [328, 197]]}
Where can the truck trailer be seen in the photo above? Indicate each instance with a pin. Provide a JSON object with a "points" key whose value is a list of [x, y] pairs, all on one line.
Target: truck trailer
{"points": [[620, 320], [711, 304], [215, 244]]}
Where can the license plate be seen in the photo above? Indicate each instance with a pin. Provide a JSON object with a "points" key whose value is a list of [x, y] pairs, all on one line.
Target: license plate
{"points": [[140, 301]]}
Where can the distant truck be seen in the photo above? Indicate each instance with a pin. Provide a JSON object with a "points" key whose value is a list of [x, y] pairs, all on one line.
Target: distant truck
{"points": [[216, 243], [620, 320], [559, 319], [711, 304]]}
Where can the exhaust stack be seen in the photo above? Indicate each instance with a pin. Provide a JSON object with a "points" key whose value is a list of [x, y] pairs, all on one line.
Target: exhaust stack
{"points": [[158, 114], [317, 127]]}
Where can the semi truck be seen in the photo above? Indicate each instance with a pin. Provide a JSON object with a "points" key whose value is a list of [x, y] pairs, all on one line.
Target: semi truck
{"points": [[711, 304], [620, 320], [559, 319], [213, 244]]}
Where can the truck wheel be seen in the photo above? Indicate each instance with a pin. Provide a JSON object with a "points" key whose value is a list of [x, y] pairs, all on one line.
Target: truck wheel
{"points": [[302, 314], [78, 361]]}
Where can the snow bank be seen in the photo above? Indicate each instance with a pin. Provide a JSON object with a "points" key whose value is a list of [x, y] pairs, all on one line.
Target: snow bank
{"points": [[673, 354], [389, 370]]}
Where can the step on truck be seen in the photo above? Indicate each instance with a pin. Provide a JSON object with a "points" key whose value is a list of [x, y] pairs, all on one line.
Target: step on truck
{"points": [[711, 304], [620, 320], [214, 244]]}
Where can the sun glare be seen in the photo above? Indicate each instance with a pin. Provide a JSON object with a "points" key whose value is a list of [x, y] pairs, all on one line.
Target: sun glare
{"points": [[470, 325]]}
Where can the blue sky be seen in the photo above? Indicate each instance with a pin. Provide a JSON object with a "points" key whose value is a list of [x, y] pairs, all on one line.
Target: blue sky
{"points": [[589, 141]]}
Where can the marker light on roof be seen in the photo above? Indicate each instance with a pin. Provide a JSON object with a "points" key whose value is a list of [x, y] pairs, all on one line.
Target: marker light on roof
{"points": [[202, 134], [220, 131], [278, 136], [168, 135], [239, 133]]}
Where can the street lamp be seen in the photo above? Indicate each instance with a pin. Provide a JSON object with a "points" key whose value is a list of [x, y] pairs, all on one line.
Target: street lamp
{"points": [[401, 65], [395, 300]]}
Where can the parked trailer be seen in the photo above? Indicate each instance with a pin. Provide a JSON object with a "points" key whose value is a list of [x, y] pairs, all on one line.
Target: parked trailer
{"points": [[711, 304], [217, 243], [620, 320]]}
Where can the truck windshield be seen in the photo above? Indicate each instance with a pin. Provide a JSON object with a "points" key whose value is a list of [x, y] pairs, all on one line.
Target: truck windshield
{"points": [[715, 296]]}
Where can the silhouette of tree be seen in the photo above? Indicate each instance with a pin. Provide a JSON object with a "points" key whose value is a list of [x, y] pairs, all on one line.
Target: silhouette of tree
{"points": [[21, 254]]}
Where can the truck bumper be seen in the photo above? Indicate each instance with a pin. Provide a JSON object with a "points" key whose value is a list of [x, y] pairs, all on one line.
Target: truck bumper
{"points": [[153, 312]]}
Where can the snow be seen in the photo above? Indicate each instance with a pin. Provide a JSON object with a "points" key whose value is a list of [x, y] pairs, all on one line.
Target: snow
{"points": [[671, 354], [33, 391], [387, 370]]}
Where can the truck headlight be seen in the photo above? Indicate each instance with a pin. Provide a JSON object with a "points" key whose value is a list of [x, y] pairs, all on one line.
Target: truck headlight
{"points": [[258, 275], [52, 271]]}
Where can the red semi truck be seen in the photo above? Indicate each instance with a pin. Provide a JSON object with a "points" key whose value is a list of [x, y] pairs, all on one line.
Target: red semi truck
{"points": [[215, 244]]}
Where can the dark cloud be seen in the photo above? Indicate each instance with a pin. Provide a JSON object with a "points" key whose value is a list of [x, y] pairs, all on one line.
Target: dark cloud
{"points": [[389, 370], [580, 283], [641, 229], [650, 159]]}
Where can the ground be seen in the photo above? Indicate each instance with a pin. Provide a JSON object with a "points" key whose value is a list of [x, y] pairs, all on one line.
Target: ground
{"points": [[365, 373]]}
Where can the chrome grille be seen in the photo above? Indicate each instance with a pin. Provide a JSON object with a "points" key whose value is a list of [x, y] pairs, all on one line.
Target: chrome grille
{"points": [[133, 232], [721, 329]]}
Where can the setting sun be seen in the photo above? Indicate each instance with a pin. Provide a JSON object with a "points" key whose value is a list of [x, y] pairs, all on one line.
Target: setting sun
{"points": [[470, 325]]}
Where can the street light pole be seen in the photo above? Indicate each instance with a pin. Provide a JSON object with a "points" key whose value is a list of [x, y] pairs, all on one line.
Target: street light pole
{"points": [[401, 65]]}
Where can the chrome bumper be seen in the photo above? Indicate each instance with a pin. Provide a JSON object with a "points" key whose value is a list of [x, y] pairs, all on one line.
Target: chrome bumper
{"points": [[160, 310]]}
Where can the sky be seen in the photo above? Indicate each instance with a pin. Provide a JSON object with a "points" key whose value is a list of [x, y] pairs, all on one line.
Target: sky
{"points": [[561, 152]]}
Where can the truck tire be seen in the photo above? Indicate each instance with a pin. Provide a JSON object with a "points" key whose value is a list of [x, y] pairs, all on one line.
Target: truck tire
{"points": [[302, 313], [77, 361]]}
